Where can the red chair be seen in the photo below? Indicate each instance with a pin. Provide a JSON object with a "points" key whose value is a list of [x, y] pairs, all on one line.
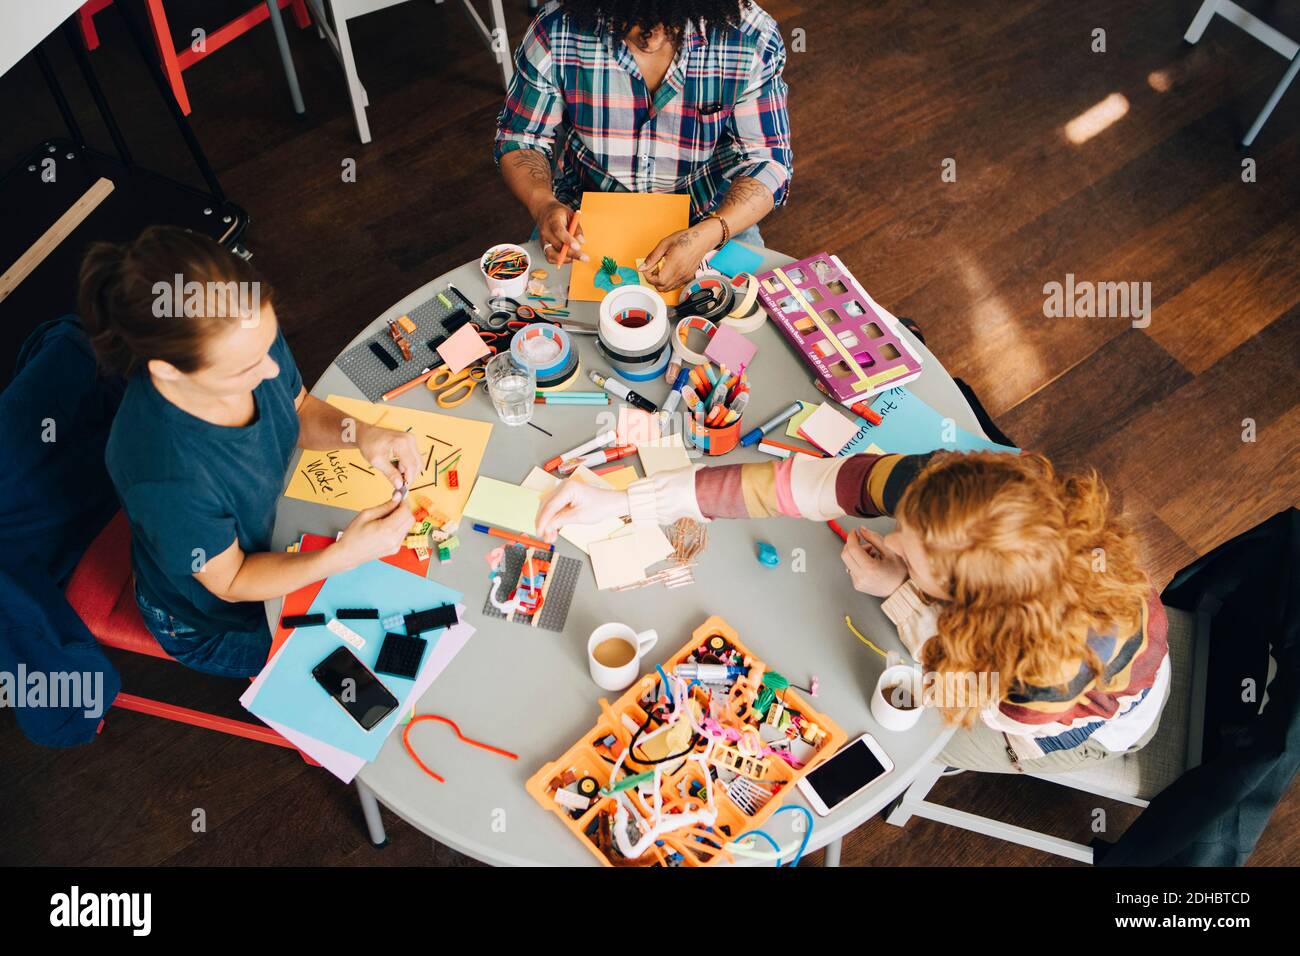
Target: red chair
{"points": [[176, 61], [102, 593]]}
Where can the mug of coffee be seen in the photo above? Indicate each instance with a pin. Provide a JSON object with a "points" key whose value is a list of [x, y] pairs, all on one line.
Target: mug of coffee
{"points": [[896, 702], [614, 654]]}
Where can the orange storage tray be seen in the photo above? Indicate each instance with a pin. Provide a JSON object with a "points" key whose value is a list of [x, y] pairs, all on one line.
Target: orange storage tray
{"points": [[691, 846]]}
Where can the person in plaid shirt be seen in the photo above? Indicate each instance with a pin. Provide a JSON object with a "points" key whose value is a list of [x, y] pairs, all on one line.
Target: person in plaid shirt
{"points": [[669, 96]]}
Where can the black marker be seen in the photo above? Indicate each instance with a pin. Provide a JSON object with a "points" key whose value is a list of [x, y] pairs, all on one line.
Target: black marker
{"points": [[618, 389]]}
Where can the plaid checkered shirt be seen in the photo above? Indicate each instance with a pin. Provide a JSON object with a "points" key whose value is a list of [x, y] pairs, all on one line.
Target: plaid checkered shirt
{"points": [[719, 113]]}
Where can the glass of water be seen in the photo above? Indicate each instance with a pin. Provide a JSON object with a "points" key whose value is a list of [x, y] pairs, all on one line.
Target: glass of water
{"points": [[512, 388]]}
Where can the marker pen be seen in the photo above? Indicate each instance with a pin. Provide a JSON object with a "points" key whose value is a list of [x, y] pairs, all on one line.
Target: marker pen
{"points": [[675, 396], [597, 458], [601, 440], [618, 389], [755, 436]]}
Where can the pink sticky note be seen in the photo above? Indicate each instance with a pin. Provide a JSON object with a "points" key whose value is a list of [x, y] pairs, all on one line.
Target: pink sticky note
{"points": [[636, 427], [828, 429], [730, 349], [463, 347]]}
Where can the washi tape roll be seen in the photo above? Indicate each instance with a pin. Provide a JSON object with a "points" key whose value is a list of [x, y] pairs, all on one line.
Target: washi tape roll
{"points": [[747, 314], [681, 335], [545, 348], [633, 321]]}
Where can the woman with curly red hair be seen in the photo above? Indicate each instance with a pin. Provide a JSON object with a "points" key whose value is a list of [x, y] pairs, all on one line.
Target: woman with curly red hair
{"points": [[997, 567]]}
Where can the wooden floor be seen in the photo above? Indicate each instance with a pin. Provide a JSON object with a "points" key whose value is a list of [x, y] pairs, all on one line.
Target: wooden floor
{"points": [[883, 94]]}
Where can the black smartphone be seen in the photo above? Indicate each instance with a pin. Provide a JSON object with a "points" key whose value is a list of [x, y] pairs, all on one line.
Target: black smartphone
{"points": [[356, 690]]}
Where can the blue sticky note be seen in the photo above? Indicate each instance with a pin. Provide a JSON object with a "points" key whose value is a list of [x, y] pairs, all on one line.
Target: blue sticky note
{"points": [[911, 427], [291, 696], [733, 259]]}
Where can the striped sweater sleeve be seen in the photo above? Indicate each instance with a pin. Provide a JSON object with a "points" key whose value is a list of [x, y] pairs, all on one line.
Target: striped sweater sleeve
{"points": [[803, 487], [799, 486]]}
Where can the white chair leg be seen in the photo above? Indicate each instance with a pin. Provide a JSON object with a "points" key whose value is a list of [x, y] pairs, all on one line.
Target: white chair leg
{"points": [[355, 91], [1201, 21], [915, 794], [501, 44], [1273, 100]]}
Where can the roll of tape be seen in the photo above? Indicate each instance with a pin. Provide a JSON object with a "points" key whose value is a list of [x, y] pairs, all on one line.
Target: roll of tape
{"points": [[717, 284], [633, 321], [546, 348], [681, 350], [638, 371], [563, 380], [745, 289]]}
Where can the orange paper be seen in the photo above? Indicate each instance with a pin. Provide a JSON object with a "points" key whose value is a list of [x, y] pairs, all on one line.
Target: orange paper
{"points": [[625, 227]]}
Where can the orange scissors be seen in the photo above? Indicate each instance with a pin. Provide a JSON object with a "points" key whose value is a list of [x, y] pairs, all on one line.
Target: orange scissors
{"points": [[454, 388]]}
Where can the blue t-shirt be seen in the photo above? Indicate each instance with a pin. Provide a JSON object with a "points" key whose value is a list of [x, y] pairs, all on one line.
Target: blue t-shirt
{"points": [[190, 488]]}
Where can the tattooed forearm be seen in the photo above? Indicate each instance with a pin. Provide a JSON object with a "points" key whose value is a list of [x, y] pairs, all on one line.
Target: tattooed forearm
{"points": [[746, 202], [527, 173], [530, 162]]}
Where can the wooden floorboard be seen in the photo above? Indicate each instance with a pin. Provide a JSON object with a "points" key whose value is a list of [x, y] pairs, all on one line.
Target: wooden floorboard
{"points": [[883, 94]]}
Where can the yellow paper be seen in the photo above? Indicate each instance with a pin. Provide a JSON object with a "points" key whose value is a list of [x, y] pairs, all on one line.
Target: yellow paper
{"points": [[505, 505], [792, 427], [540, 481], [581, 536], [619, 480], [668, 454], [625, 227], [344, 479], [616, 561]]}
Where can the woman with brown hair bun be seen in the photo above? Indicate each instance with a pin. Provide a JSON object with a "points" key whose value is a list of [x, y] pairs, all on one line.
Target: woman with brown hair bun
{"points": [[998, 568], [213, 409]]}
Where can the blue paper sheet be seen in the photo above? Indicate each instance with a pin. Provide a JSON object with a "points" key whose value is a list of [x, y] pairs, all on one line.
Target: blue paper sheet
{"points": [[733, 259], [291, 696], [911, 427]]}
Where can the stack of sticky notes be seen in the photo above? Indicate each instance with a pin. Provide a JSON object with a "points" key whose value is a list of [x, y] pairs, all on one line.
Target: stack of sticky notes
{"points": [[622, 558], [504, 505], [824, 426], [668, 453]]}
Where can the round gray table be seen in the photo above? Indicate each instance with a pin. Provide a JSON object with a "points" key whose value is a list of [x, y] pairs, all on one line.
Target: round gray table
{"points": [[529, 691]]}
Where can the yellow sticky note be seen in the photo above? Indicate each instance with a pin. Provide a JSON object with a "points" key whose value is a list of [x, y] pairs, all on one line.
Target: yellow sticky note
{"points": [[581, 536], [668, 454], [504, 505], [792, 427], [344, 479], [616, 561], [619, 480], [540, 481]]}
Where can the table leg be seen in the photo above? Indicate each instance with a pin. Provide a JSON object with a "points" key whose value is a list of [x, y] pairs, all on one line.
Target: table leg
{"points": [[832, 857], [286, 58], [370, 810]]}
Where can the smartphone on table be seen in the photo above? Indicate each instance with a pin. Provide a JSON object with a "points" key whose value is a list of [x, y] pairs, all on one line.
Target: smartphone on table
{"points": [[355, 688], [857, 765]]}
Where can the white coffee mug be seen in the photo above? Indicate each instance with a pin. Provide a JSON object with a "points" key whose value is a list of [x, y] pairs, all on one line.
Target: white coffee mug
{"points": [[898, 686], [618, 676]]}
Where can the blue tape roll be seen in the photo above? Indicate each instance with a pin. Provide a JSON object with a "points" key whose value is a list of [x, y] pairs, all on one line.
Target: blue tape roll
{"points": [[543, 330], [639, 371]]}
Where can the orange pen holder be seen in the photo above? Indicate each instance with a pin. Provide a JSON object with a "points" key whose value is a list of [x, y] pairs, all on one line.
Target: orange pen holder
{"points": [[585, 768], [714, 441]]}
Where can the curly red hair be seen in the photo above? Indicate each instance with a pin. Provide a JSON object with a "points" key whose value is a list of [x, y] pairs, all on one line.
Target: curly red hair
{"points": [[1031, 561]]}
